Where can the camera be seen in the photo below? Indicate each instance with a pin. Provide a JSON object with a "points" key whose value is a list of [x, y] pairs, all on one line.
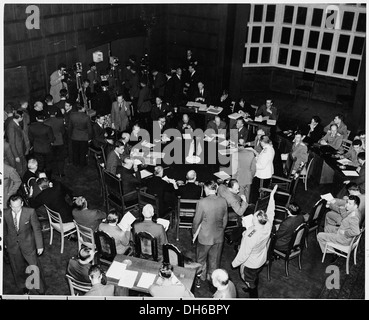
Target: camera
{"points": [[78, 68], [114, 61]]}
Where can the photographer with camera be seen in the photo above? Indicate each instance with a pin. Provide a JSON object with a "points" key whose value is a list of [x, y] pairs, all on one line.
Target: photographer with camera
{"points": [[58, 82]]}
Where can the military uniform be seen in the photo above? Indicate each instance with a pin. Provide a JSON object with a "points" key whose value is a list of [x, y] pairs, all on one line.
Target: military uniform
{"points": [[252, 253], [299, 151], [341, 129], [333, 141]]}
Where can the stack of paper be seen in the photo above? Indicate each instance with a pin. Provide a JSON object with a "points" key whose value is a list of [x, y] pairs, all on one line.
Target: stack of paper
{"points": [[203, 107], [235, 115], [144, 173], [126, 222], [128, 278], [164, 223], [327, 196], [271, 122], [115, 270], [212, 110], [222, 175], [350, 173], [146, 280], [344, 161]]}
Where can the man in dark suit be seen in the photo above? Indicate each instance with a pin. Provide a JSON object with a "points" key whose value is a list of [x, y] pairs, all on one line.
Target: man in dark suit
{"points": [[98, 132], [126, 172], [159, 81], [360, 180], [190, 190], [155, 229], [313, 132], [211, 217], [186, 124], [177, 85], [288, 226], [144, 104], [53, 196], [114, 159], [102, 101], [69, 109], [134, 90], [80, 131], [42, 138], [23, 241], [17, 143], [90, 218], [160, 109], [63, 98], [201, 94], [218, 125], [240, 132], [192, 80], [51, 108]]}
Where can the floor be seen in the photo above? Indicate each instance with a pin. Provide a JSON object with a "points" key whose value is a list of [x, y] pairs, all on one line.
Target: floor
{"points": [[308, 283]]}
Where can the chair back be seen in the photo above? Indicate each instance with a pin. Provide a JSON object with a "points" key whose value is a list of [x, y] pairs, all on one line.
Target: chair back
{"points": [[282, 201], [146, 246], [185, 212], [145, 198], [105, 246], [316, 213], [100, 166], [262, 202], [54, 219], [79, 286], [355, 240], [271, 243], [346, 144], [290, 163], [113, 184], [298, 238], [85, 236], [173, 255]]}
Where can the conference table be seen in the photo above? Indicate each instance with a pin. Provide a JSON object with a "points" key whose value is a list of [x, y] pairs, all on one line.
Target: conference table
{"points": [[141, 273]]}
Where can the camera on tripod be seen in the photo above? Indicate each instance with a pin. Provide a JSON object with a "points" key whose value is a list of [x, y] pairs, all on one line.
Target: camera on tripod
{"points": [[78, 68]]}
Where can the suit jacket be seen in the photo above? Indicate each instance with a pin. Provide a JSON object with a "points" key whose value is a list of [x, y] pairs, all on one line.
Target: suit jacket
{"points": [[190, 123], [206, 95], [61, 106], [262, 111], [176, 86], [57, 125], [80, 128], [121, 237], [56, 85], [78, 271], [156, 112], [88, 218], [130, 182], [113, 162], [335, 141], [134, 85], [299, 151], [350, 225], [190, 191], [164, 190], [120, 118], [41, 137], [159, 82], [212, 214], [341, 129], [29, 236], [245, 166], [144, 103], [313, 136], [212, 125], [101, 103], [237, 134], [360, 180], [52, 109], [16, 140], [98, 138], [101, 290], [285, 231], [12, 182], [54, 198], [234, 201], [156, 230], [264, 163]]}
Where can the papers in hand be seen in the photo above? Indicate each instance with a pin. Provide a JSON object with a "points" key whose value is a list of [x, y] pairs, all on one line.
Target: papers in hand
{"points": [[146, 280], [128, 278], [344, 161], [196, 234], [350, 173], [247, 221], [144, 173], [235, 115], [258, 119], [164, 223], [147, 144], [327, 196], [222, 175], [169, 180], [186, 136], [224, 143], [165, 138], [126, 222], [115, 270]]}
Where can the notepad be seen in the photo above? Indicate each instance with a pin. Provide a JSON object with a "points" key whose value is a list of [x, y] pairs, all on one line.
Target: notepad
{"points": [[144, 173], [235, 115], [344, 161], [146, 280], [271, 122], [128, 278], [327, 196], [222, 175], [186, 136], [164, 223], [350, 173], [115, 270], [212, 110]]}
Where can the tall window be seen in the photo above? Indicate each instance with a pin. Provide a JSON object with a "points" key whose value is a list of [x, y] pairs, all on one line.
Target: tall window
{"points": [[305, 36]]}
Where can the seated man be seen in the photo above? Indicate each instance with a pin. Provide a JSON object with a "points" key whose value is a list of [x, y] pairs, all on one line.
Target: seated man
{"points": [[98, 132], [356, 148], [361, 135], [234, 201], [341, 127], [313, 132], [288, 226], [160, 109], [78, 268], [130, 175], [167, 287], [95, 274], [114, 159], [348, 228], [201, 94], [332, 138], [86, 217], [30, 176], [127, 147], [299, 151], [360, 180], [155, 229], [186, 124], [268, 110], [121, 237], [338, 206], [192, 189], [240, 132], [225, 287], [256, 143], [217, 125]]}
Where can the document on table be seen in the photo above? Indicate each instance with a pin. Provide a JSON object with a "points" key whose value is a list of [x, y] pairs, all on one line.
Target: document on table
{"points": [[235, 115], [128, 278], [203, 107], [115, 270], [350, 173], [222, 175], [224, 143], [146, 280], [144, 173], [164, 223], [212, 110], [327, 196], [165, 139], [186, 136], [344, 161]]}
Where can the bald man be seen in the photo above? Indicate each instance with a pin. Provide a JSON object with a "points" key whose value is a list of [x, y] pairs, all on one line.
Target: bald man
{"points": [[192, 189]]}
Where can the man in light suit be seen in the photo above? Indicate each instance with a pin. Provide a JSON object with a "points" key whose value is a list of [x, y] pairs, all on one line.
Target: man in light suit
{"points": [[57, 83], [120, 113], [12, 182], [230, 193], [299, 151], [211, 217], [341, 126], [333, 138], [155, 229], [23, 241]]}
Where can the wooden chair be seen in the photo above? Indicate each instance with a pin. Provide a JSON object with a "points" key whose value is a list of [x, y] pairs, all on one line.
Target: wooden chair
{"points": [[172, 255], [115, 196], [100, 165], [270, 251], [315, 217], [344, 251], [185, 212], [146, 246], [106, 248], [76, 287], [305, 172], [306, 84], [56, 223], [295, 247], [85, 236]]}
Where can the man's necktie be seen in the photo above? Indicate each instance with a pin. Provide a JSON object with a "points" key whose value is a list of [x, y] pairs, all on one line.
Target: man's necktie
{"points": [[120, 107], [15, 222]]}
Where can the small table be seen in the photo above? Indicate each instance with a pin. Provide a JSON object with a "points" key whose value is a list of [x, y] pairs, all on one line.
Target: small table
{"points": [[149, 266]]}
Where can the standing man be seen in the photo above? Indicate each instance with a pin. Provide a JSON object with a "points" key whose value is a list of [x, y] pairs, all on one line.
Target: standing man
{"points": [[93, 77], [299, 151], [12, 182], [80, 131], [252, 253], [209, 223], [120, 113], [134, 90], [159, 81], [23, 240], [57, 82], [144, 104], [240, 132]]}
